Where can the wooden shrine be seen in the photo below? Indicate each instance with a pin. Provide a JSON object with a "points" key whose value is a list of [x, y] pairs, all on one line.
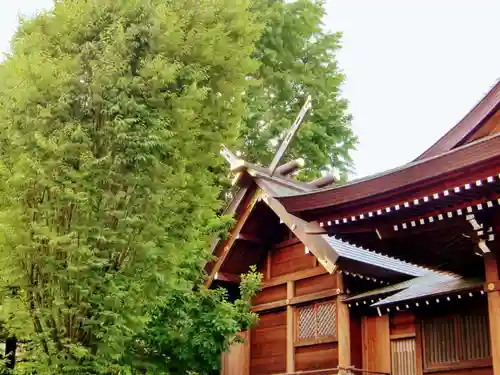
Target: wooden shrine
{"points": [[395, 273]]}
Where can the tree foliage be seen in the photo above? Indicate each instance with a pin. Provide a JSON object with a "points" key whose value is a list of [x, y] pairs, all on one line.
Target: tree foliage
{"points": [[298, 58], [193, 327], [112, 113]]}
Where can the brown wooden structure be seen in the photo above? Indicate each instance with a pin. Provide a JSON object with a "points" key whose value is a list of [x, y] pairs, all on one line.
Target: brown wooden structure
{"points": [[396, 273]]}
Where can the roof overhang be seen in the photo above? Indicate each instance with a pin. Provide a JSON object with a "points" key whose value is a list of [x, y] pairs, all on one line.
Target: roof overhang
{"points": [[412, 180], [461, 132]]}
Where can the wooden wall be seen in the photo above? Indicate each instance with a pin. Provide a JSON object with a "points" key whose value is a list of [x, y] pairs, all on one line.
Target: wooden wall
{"points": [[293, 279], [404, 331], [268, 344]]}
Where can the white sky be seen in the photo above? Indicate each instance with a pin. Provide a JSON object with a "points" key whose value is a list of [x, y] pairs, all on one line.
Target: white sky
{"points": [[414, 68]]}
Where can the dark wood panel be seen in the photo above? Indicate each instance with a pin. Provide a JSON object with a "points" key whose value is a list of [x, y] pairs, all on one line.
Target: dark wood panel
{"points": [[268, 344], [271, 320], [402, 323], [356, 340], [267, 365], [316, 284], [271, 294], [290, 259], [316, 357], [474, 371]]}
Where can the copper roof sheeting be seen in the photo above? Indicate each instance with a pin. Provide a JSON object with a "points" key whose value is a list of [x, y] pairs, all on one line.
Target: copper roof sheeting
{"points": [[455, 163], [430, 285], [358, 254]]}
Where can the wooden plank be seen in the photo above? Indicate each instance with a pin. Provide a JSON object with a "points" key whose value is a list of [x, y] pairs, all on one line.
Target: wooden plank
{"points": [[320, 247], [290, 349], [269, 306], [224, 276], [356, 340], [250, 238], [286, 243], [419, 346], [400, 336], [315, 284], [315, 357], [289, 135], [276, 293], [492, 286], [233, 236], [268, 345], [343, 326], [304, 274], [314, 296], [295, 300], [491, 271], [376, 343], [267, 275], [402, 323], [237, 359], [290, 259]]}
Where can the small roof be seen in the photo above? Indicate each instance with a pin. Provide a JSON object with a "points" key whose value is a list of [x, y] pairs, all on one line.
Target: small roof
{"points": [[430, 285], [358, 254]]}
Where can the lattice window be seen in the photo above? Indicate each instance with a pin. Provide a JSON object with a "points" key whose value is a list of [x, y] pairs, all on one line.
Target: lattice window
{"points": [[317, 321], [455, 339]]}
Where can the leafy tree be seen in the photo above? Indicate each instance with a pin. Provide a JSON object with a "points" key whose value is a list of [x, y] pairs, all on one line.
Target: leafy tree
{"points": [[111, 117], [298, 58], [190, 330]]}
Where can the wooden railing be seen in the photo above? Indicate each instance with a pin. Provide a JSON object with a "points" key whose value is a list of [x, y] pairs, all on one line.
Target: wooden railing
{"points": [[337, 371]]}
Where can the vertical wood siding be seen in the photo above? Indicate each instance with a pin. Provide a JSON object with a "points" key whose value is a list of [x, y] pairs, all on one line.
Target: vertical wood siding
{"points": [[403, 357], [456, 338]]}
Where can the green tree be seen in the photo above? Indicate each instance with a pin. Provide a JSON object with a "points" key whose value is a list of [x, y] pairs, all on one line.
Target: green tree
{"points": [[188, 333], [112, 113], [298, 57]]}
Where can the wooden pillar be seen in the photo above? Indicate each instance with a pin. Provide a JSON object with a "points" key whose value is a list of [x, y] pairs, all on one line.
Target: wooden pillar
{"points": [[237, 360], [290, 347], [491, 271], [343, 326]]}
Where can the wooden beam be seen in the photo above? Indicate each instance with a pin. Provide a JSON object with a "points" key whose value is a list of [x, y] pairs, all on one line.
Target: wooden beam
{"points": [[299, 275], [492, 286], [327, 256], [314, 296], [269, 306], [289, 135], [295, 300], [234, 234], [250, 238], [267, 276], [286, 243], [290, 349], [343, 326], [229, 277], [492, 276]]}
